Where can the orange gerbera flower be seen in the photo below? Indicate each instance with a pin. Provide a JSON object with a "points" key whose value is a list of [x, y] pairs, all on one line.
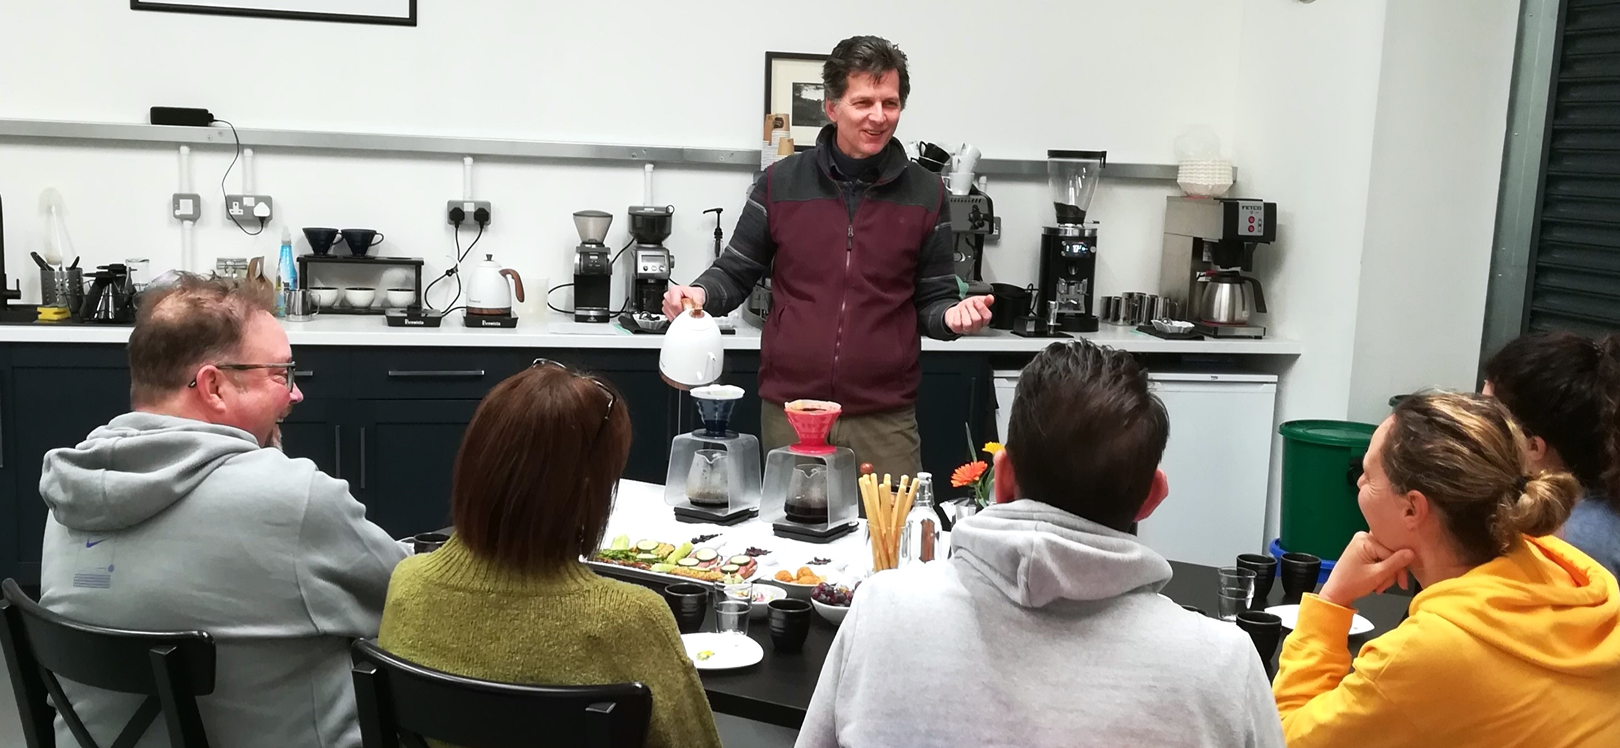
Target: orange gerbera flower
{"points": [[968, 474]]}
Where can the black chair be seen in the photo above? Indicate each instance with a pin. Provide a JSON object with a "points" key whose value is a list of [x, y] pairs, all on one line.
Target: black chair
{"points": [[401, 702], [170, 668]]}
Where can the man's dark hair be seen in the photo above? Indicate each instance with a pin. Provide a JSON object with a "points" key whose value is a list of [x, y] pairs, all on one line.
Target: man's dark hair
{"points": [[871, 55], [183, 325], [1086, 435], [1565, 388]]}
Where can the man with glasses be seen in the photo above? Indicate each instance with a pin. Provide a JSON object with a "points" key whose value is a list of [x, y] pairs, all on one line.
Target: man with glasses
{"points": [[183, 514]]}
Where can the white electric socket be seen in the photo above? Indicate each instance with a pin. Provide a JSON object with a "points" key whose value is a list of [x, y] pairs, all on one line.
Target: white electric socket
{"points": [[249, 207], [469, 207], [186, 206]]}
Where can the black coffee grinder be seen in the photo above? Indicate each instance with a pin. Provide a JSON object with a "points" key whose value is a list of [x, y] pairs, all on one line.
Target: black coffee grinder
{"points": [[649, 268], [1069, 248]]}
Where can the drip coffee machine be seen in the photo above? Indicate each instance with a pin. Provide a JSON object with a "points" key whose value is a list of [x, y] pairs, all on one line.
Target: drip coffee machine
{"points": [[648, 274], [1069, 248], [593, 267], [714, 471], [810, 492], [1208, 259]]}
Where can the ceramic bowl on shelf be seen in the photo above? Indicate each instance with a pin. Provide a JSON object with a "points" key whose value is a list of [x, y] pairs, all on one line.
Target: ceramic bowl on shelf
{"points": [[399, 298], [360, 298], [325, 296]]}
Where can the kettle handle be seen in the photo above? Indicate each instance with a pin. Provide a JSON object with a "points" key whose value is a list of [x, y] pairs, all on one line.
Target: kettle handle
{"points": [[1259, 295], [516, 280], [689, 304]]}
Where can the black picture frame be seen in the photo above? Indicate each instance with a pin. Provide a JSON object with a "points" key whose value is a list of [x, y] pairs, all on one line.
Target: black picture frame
{"points": [[251, 12], [778, 91]]}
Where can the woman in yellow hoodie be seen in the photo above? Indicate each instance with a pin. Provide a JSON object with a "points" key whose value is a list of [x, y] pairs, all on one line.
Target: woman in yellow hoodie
{"points": [[1515, 638]]}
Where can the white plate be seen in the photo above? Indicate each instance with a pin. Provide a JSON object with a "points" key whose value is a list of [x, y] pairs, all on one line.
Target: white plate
{"points": [[1290, 615], [730, 651]]}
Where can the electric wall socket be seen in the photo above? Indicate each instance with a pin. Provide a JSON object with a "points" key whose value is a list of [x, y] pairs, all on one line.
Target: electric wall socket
{"points": [[248, 207], [186, 206], [470, 207]]}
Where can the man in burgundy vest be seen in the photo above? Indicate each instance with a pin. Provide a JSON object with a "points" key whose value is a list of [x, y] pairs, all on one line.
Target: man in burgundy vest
{"points": [[857, 239]]}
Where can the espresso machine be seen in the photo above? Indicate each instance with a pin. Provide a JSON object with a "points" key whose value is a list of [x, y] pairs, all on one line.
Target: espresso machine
{"points": [[593, 267], [648, 272], [972, 220], [1208, 261], [1069, 249]]}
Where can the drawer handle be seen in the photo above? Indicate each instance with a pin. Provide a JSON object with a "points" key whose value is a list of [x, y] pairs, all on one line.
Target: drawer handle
{"points": [[303, 373], [437, 374]]}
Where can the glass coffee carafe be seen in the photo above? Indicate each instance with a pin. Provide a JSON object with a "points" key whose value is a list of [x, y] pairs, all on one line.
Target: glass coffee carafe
{"points": [[713, 471]]}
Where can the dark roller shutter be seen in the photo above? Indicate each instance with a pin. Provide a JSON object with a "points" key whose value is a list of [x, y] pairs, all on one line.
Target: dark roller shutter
{"points": [[1575, 266]]}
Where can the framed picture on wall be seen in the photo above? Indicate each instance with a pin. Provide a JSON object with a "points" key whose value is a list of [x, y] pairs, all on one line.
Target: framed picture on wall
{"points": [[793, 85], [391, 12]]}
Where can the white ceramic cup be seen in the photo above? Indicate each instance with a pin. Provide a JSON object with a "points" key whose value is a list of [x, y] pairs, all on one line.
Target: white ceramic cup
{"points": [[360, 298], [960, 183], [326, 297], [399, 298]]}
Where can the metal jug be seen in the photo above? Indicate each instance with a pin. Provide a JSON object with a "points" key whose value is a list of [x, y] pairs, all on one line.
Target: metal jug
{"points": [[1228, 298]]}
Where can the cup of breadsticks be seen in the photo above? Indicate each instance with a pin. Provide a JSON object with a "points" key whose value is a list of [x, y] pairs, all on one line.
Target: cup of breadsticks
{"points": [[887, 505]]}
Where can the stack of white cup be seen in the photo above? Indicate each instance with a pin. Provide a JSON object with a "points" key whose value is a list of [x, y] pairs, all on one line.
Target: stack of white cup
{"points": [[960, 180]]}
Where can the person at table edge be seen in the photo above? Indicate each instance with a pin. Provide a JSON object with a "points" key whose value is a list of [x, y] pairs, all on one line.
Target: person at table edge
{"points": [[858, 242]]}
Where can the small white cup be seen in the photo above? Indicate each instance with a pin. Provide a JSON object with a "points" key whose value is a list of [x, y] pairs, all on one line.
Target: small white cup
{"points": [[960, 183], [399, 298], [325, 297], [360, 298]]}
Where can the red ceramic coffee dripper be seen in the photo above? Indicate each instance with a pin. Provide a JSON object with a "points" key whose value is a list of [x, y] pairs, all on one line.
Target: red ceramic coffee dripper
{"points": [[812, 421]]}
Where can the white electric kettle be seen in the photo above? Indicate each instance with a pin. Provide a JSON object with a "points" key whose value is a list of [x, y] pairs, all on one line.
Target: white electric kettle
{"points": [[488, 292], [694, 352]]}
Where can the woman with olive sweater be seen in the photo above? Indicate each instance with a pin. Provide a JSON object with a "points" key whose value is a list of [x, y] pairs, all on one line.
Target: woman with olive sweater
{"points": [[507, 598], [1515, 638]]}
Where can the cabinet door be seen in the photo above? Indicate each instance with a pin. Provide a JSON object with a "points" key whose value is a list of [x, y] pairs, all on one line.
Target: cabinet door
{"points": [[951, 409], [402, 460], [315, 431], [55, 401]]}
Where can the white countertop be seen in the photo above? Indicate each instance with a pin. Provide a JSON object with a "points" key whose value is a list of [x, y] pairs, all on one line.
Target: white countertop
{"points": [[559, 331]]}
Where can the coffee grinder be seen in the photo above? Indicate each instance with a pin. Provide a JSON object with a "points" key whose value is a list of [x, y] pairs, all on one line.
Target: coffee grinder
{"points": [[810, 492], [1069, 248], [1209, 246], [593, 267], [972, 220], [648, 275], [714, 473]]}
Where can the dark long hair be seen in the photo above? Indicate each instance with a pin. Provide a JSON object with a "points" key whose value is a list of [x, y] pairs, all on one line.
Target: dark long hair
{"points": [[1565, 388], [535, 476]]}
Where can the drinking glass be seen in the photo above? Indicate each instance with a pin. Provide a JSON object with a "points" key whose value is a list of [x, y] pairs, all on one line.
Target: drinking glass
{"points": [[731, 616], [1236, 589]]}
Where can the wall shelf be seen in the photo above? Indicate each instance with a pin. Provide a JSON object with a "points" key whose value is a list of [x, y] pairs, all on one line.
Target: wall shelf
{"points": [[53, 130]]}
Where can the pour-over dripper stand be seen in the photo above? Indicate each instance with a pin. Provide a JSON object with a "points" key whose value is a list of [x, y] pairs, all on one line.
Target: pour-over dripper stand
{"points": [[810, 492], [739, 498]]}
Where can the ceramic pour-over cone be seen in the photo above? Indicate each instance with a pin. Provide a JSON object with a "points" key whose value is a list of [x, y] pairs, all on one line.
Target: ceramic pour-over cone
{"points": [[812, 420], [715, 403]]}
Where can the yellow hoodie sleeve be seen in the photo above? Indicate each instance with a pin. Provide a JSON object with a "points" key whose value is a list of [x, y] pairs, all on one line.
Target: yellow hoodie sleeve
{"points": [[1320, 701]]}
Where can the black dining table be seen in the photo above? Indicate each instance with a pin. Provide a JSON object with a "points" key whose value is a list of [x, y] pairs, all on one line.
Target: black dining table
{"points": [[778, 689]]}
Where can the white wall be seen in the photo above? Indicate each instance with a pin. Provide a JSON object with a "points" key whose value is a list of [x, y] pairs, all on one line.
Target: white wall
{"points": [[1089, 74], [1436, 166]]}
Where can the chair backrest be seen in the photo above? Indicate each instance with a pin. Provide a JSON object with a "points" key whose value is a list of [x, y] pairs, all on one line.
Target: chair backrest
{"points": [[401, 702], [170, 668]]}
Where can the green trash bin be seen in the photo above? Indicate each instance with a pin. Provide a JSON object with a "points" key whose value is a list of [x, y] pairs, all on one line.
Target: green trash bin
{"points": [[1321, 464]]}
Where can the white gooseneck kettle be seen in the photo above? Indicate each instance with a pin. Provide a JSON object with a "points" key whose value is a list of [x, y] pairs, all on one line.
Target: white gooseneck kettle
{"points": [[488, 292], [694, 351]]}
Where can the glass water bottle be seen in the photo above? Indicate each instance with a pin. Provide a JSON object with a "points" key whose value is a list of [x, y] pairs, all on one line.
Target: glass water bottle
{"points": [[919, 541]]}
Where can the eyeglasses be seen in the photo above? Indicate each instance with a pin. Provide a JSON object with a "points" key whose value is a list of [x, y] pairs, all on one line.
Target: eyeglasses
{"points": [[289, 370], [599, 384]]}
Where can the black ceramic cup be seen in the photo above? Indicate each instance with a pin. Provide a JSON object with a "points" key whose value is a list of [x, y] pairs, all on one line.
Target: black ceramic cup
{"points": [[429, 542], [689, 603], [361, 241], [1265, 570], [1265, 630], [321, 240], [1298, 572], [790, 624]]}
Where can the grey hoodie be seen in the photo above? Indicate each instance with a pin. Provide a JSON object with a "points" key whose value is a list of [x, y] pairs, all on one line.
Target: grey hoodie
{"points": [[1043, 629], [159, 522]]}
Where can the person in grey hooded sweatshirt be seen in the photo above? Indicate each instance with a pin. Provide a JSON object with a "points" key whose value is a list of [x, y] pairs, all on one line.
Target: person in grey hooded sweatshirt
{"points": [[1045, 628], [183, 514]]}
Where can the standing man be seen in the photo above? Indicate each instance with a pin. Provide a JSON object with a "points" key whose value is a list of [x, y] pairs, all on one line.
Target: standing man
{"points": [[858, 241]]}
